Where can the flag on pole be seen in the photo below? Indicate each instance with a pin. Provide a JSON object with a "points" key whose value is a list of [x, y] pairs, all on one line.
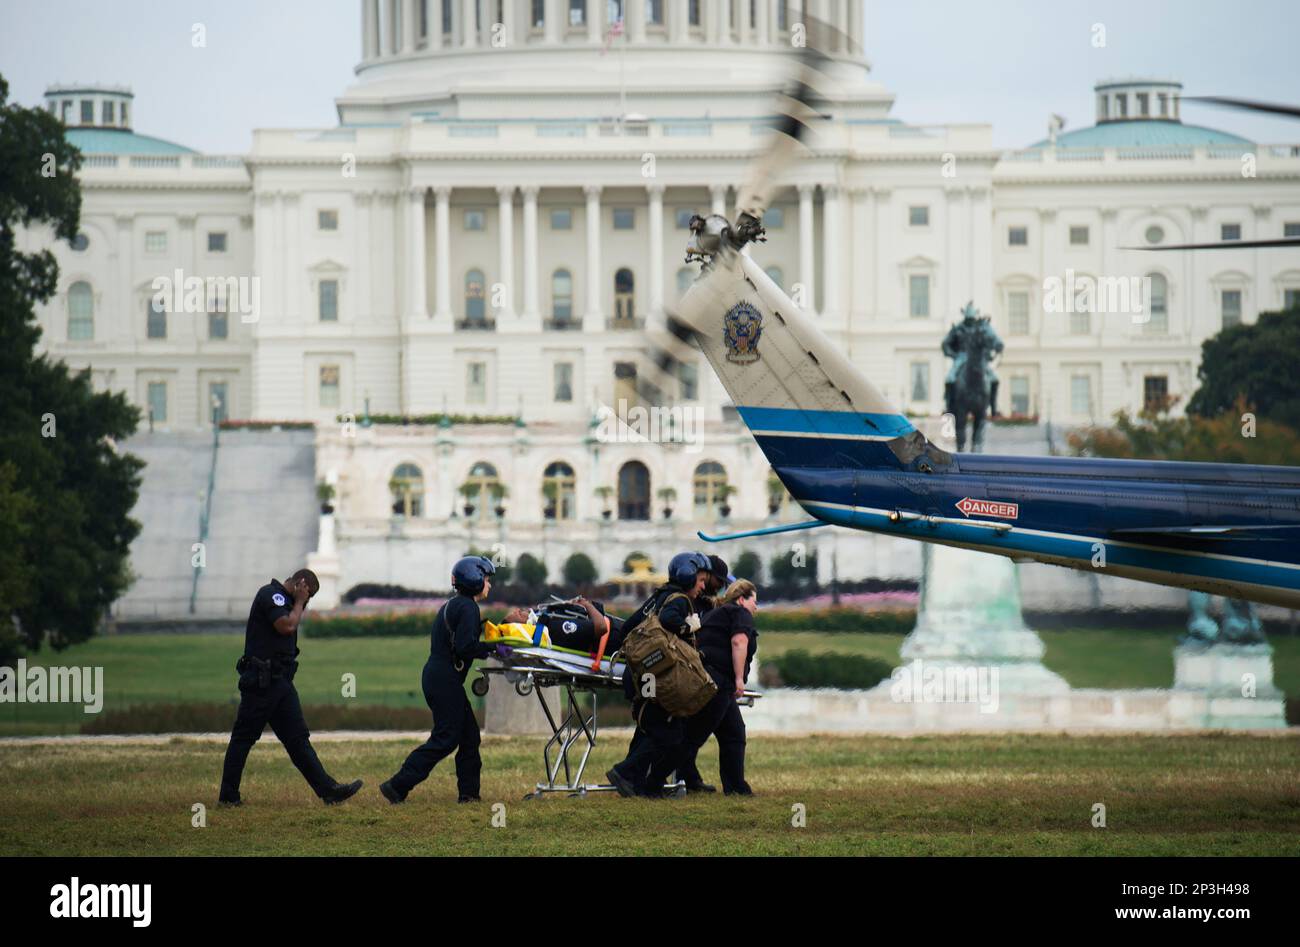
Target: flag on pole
{"points": [[614, 32]]}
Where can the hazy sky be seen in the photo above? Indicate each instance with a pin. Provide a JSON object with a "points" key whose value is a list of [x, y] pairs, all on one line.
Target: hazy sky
{"points": [[280, 63]]}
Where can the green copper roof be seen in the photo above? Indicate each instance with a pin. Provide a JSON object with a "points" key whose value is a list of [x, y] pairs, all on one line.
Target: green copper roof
{"points": [[119, 141], [1142, 134]]}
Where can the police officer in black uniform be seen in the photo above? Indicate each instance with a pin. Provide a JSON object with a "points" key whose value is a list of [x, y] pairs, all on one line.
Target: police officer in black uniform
{"points": [[267, 694], [454, 644], [727, 640], [653, 752]]}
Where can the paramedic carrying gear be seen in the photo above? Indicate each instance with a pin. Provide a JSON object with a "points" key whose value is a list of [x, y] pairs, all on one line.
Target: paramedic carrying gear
{"points": [[653, 753], [267, 694], [453, 645], [719, 579]]}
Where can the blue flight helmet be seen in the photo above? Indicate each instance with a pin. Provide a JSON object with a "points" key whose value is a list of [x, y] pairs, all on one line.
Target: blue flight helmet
{"points": [[468, 573], [685, 567]]}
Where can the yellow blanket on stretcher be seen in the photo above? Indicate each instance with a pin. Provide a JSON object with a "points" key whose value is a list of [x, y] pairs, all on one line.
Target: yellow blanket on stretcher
{"points": [[519, 634]]}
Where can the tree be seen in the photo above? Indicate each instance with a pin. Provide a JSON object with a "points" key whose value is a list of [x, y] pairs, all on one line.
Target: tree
{"points": [[579, 570], [532, 571], [69, 482], [1255, 363], [748, 566]]}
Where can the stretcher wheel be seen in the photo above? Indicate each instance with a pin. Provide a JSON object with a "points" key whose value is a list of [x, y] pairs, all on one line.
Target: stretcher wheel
{"points": [[480, 686], [524, 687]]}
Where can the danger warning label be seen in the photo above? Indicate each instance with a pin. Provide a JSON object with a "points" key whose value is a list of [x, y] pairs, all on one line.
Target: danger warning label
{"points": [[999, 508]]}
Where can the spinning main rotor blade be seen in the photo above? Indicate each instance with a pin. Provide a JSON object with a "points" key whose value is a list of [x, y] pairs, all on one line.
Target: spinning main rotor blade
{"points": [[1290, 111], [1228, 245]]}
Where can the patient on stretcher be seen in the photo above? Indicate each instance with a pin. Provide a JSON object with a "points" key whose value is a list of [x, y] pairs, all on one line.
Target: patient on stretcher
{"points": [[579, 625]]}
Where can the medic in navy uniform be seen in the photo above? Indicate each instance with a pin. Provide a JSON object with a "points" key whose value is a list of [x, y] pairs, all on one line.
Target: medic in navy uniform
{"points": [[453, 646], [267, 694], [719, 578], [655, 747]]}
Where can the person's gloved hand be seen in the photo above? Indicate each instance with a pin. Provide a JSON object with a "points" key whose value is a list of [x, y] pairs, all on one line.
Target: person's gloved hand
{"points": [[693, 622]]}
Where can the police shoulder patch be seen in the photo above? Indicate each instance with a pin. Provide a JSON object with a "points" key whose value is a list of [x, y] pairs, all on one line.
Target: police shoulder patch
{"points": [[570, 627], [277, 598]]}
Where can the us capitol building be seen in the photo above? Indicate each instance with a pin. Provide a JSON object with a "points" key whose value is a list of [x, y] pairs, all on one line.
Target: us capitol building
{"points": [[503, 205]]}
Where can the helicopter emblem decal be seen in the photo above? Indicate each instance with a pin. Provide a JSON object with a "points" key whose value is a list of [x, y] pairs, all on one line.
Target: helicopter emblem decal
{"points": [[742, 327]]}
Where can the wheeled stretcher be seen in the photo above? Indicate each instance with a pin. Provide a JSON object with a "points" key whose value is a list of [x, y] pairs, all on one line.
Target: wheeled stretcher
{"points": [[530, 662]]}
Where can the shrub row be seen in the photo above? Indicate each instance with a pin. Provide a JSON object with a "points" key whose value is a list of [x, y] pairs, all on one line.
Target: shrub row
{"points": [[799, 668], [216, 717]]}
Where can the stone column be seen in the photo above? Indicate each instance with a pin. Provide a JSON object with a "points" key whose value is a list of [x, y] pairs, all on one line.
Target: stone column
{"points": [[593, 308], [857, 29], [291, 238], [390, 31], [531, 308], [410, 25], [718, 199], [468, 24], [442, 251], [368, 10], [510, 23], [553, 27], [656, 194], [635, 21], [743, 26], [763, 22], [417, 290], [362, 202], [679, 24], [506, 246], [433, 39], [832, 235], [724, 16], [807, 275], [595, 22]]}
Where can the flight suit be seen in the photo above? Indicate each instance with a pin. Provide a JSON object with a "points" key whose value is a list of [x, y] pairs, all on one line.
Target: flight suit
{"points": [[454, 644], [267, 695], [653, 752], [721, 716]]}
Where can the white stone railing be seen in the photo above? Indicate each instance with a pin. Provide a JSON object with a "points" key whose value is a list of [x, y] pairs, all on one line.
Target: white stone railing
{"points": [[1181, 153], [186, 162]]}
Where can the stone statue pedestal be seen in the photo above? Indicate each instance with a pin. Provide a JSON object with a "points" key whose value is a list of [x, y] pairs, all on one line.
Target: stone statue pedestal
{"points": [[1236, 679], [505, 712], [325, 563], [969, 616]]}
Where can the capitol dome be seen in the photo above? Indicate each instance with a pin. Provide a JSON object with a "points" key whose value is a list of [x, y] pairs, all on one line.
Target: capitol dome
{"points": [[98, 121]]}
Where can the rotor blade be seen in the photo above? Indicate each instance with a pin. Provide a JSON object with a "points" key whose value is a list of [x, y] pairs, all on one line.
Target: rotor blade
{"points": [[1229, 245], [1291, 111]]}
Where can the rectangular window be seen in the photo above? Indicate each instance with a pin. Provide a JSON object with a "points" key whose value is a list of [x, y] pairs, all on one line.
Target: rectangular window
{"points": [[577, 12], [1078, 236], [1081, 395], [774, 218], [107, 113], [1020, 395], [1155, 392], [1230, 232], [156, 321], [476, 383], [329, 386], [1164, 104], [217, 242], [158, 401], [1144, 104], [1018, 313], [218, 324], [327, 220], [624, 218], [918, 291], [475, 220], [1080, 323], [1291, 299], [155, 241], [539, 14], [88, 111], [689, 376], [1018, 236], [654, 12], [1291, 228], [920, 381], [563, 383], [562, 219], [446, 15], [684, 215], [1231, 307], [329, 300], [1121, 106], [918, 216]]}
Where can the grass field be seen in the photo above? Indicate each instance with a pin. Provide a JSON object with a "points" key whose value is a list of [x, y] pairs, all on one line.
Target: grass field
{"points": [[178, 669], [949, 795]]}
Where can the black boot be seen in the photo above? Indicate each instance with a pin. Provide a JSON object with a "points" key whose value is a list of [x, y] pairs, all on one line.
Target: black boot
{"points": [[700, 787], [389, 793], [341, 793], [465, 798]]}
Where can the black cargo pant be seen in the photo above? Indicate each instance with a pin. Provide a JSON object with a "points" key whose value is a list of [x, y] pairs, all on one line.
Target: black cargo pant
{"points": [[654, 750], [454, 728], [720, 717], [278, 705]]}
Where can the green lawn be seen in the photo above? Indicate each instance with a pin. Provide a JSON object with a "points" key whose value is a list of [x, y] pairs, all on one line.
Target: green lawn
{"points": [[176, 668], [958, 795]]}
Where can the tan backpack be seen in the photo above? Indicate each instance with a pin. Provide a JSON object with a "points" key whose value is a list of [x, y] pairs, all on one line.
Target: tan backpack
{"points": [[681, 685]]}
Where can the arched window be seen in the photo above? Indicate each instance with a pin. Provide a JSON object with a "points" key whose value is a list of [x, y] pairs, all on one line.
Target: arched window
{"points": [[407, 487], [624, 299], [562, 296], [776, 276], [482, 490], [81, 312], [1158, 321], [475, 304], [633, 491], [155, 319], [710, 484], [559, 492]]}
